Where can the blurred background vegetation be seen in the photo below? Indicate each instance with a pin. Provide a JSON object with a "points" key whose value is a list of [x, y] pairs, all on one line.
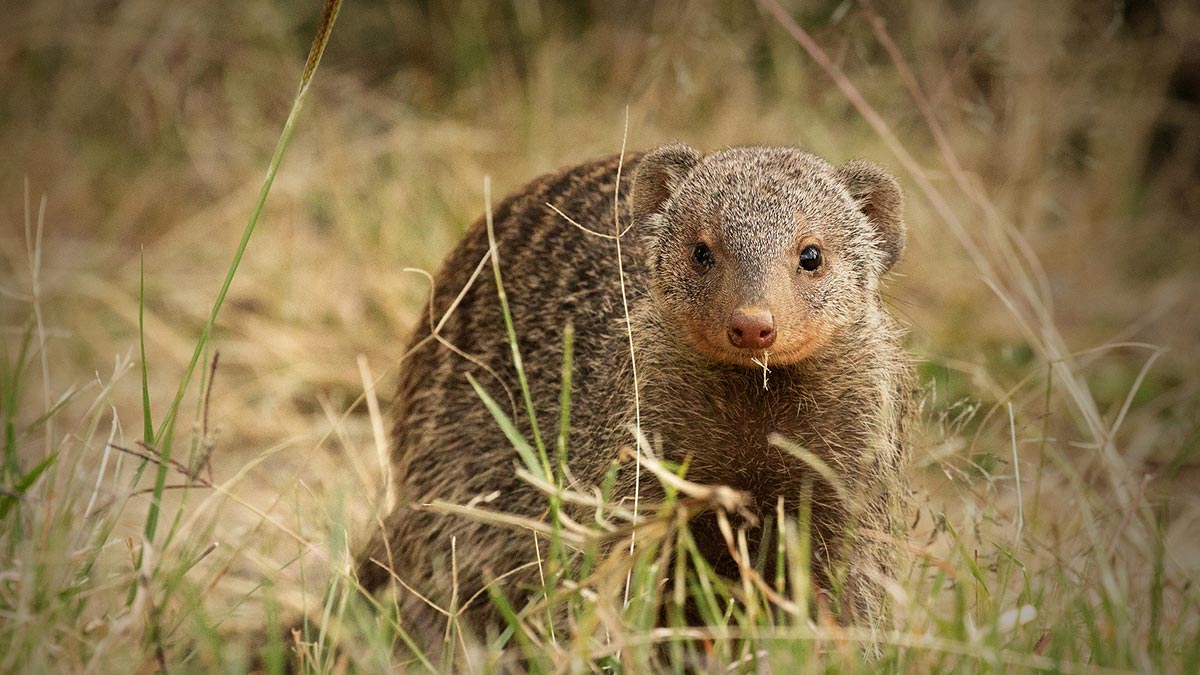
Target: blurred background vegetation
{"points": [[146, 128]]}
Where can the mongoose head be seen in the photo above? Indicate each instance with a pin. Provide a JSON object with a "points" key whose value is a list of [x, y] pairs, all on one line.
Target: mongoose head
{"points": [[753, 250]]}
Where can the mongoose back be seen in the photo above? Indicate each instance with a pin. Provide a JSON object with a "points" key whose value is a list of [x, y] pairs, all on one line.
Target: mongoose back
{"points": [[731, 259]]}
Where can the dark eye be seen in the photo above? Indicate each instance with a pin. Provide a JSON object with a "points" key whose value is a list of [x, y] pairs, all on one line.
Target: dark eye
{"points": [[810, 259], [702, 257]]}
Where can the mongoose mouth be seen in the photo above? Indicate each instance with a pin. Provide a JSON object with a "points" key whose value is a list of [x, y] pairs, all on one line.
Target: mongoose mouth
{"points": [[783, 352]]}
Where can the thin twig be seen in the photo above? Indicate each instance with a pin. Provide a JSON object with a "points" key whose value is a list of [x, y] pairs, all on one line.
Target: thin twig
{"points": [[153, 456], [588, 230], [206, 440]]}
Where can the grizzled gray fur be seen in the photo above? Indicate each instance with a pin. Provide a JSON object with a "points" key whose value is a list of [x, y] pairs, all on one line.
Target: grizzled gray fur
{"points": [[730, 255]]}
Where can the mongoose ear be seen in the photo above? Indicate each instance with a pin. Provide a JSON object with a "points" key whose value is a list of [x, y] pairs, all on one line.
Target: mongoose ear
{"points": [[658, 175], [878, 196]]}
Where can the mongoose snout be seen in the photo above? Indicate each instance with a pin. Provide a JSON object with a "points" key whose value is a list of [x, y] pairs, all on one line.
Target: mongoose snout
{"points": [[752, 328]]}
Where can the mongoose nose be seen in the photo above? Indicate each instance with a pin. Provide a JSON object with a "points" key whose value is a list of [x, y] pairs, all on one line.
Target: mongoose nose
{"points": [[752, 329]]}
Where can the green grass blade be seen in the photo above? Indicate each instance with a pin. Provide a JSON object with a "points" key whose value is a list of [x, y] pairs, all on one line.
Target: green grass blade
{"points": [[147, 420], [564, 403], [10, 398], [54, 410], [524, 450], [512, 332], [558, 554], [24, 484], [329, 16], [160, 479], [535, 665]]}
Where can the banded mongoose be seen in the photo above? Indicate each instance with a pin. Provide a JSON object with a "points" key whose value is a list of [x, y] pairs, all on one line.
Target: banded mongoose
{"points": [[728, 255]]}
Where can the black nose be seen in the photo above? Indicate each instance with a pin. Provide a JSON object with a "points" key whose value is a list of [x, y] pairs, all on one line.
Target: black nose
{"points": [[752, 328]]}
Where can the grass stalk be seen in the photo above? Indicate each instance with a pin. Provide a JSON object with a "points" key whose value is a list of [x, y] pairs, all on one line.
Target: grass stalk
{"points": [[324, 30]]}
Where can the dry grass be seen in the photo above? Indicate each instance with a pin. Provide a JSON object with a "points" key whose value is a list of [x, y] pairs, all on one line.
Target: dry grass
{"points": [[1049, 286]]}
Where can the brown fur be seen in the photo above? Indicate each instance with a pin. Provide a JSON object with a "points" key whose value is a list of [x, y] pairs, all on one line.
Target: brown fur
{"points": [[838, 384]]}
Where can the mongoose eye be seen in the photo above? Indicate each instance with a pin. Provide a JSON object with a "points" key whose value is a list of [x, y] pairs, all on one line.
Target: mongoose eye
{"points": [[810, 259], [702, 257]]}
